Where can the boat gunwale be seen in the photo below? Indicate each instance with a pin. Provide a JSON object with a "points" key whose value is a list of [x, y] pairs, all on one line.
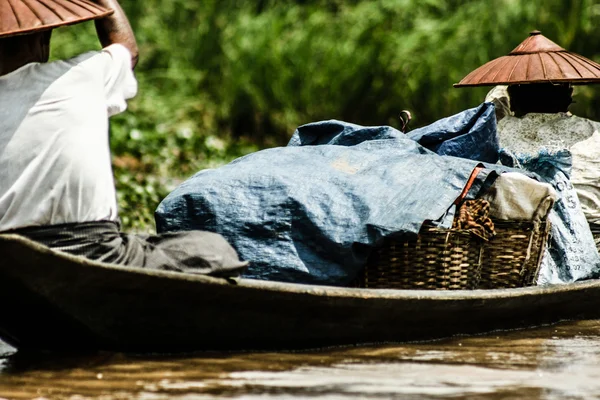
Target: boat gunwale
{"points": [[313, 290]]}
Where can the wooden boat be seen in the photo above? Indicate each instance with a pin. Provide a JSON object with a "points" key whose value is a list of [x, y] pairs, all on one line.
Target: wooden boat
{"points": [[54, 301]]}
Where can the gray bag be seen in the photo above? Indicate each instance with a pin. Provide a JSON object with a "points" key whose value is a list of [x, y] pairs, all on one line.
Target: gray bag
{"points": [[571, 255]]}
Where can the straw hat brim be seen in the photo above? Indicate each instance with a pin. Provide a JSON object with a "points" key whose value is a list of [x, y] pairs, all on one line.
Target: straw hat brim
{"points": [[22, 17], [536, 60], [551, 67]]}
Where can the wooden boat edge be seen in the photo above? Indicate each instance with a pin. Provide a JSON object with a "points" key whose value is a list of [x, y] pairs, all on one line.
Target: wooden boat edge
{"points": [[10, 244]]}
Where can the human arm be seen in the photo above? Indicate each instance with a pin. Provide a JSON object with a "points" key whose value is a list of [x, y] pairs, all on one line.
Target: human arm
{"points": [[116, 29]]}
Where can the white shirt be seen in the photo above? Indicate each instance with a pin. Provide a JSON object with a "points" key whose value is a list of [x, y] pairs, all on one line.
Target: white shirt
{"points": [[581, 136], [55, 164]]}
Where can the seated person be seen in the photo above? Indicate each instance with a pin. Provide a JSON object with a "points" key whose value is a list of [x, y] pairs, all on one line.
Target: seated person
{"points": [[532, 94], [56, 182], [541, 119]]}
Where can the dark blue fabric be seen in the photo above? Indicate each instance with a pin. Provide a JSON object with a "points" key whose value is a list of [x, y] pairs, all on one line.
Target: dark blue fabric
{"points": [[340, 133], [313, 211], [469, 134]]}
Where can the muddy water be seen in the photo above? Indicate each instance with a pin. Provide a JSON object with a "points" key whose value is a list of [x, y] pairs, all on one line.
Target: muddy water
{"points": [[554, 362]]}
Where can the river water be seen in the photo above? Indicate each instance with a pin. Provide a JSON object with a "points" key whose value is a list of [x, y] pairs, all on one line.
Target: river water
{"points": [[552, 362]]}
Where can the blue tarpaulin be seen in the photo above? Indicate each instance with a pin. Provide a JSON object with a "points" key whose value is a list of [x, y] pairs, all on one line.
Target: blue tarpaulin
{"points": [[470, 134], [312, 212]]}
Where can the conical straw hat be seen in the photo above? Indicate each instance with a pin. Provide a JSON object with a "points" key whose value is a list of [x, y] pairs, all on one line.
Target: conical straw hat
{"points": [[19, 17], [536, 60]]}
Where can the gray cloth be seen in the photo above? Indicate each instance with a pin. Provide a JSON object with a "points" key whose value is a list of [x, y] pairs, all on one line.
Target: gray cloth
{"points": [[194, 252], [517, 197]]}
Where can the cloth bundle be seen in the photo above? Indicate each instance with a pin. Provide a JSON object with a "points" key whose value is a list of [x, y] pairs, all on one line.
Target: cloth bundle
{"points": [[516, 197]]}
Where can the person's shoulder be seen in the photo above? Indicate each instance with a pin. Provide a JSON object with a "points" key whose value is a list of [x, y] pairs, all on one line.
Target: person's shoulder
{"points": [[534, 119], [78, 59], [118, 50], [79, 68], [110, 54], [508, 121], [583, 124], [578, 119]]}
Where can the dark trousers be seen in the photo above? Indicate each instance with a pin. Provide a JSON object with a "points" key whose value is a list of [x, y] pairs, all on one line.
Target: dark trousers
{"points": [[196, 252]]}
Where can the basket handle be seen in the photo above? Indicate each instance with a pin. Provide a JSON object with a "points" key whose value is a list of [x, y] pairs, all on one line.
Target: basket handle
{"points": [[469, 184]]}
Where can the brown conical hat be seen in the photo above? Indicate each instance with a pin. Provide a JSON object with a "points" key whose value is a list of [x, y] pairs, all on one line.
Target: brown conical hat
{"points": [[536, 60], [20, 17]]}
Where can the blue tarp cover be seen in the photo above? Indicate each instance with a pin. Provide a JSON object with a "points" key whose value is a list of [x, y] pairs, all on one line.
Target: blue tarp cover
{"points": [[470, 134], [311, 212]]}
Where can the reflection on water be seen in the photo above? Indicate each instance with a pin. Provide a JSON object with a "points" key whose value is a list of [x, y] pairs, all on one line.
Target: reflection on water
{"points": [[556, 362]]}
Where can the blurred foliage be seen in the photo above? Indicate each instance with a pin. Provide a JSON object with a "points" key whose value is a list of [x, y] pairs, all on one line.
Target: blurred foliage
{"points": [[219, 79]]}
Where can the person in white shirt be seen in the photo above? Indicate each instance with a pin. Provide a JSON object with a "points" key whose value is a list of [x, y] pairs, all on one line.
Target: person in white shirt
{"points": [[56, 181]]}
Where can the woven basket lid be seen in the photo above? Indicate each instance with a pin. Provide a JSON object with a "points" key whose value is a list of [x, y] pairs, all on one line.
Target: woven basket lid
{"points": [[20, 17], [536, 60]]}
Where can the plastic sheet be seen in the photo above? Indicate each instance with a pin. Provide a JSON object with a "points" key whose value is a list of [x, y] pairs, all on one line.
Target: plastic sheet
{"points": [[313, 211], [469, 134]]}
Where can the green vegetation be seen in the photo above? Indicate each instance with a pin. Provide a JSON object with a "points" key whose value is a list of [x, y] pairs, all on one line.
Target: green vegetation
{"points": [[219, 79]]}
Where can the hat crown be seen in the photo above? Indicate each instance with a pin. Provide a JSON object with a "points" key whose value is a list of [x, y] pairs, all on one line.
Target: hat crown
{"points": [[536, 43]]}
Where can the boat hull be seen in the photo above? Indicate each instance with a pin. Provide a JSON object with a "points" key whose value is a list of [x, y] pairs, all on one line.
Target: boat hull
{"points": [[54, 301]]}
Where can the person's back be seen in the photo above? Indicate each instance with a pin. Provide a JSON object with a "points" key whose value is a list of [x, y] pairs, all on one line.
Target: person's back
{"points": [[55, 165], [56, 182], [531, 132], [541, 120]]}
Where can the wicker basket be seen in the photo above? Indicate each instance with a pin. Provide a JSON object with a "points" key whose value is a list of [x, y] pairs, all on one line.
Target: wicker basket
{"points": [[450, 259], [513, 257]]}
